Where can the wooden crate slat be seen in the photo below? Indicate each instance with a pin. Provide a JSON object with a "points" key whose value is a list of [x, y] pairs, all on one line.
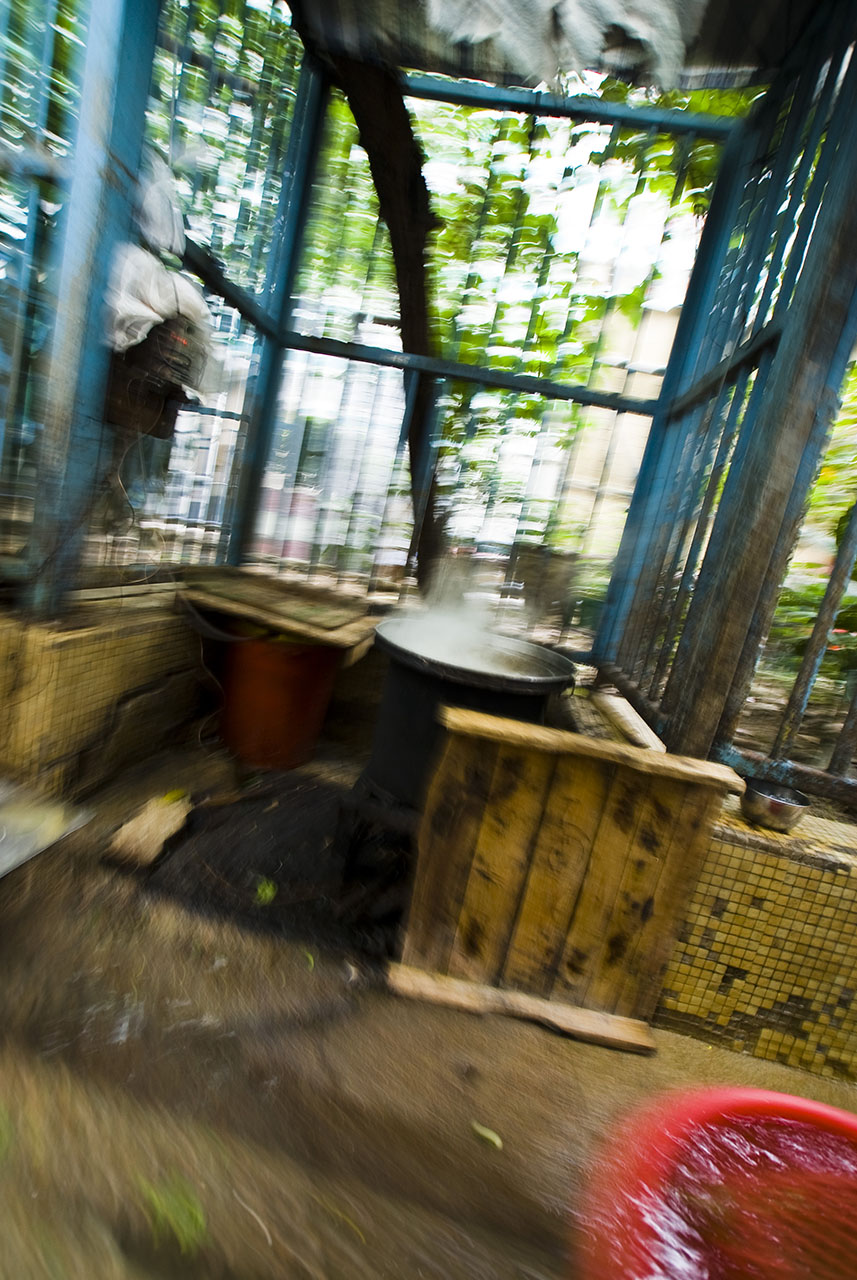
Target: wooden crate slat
{"points": [[536, 737], [645, 965], [447, 838], [554, 866], [560, 858], [619, 818], [511, 818], [647, 848]]}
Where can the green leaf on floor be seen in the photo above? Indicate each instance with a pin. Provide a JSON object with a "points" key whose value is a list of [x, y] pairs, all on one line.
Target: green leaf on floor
{"points": [[174, 1212], [487, 1135], [266, 892]]}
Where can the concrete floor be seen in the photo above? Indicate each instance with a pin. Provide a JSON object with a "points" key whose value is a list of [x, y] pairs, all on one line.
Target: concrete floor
{"points": [[314, 1124]]}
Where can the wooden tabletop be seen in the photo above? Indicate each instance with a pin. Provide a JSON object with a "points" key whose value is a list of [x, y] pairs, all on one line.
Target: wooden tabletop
{"points": [[294, 609]]}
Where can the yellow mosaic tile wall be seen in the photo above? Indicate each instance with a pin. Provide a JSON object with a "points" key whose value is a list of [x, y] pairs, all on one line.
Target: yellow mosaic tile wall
{"points": [[63, 691], [767, 959]]}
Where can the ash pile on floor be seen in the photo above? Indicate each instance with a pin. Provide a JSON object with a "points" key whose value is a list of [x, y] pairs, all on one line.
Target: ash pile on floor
{"points": [[289, 855]]}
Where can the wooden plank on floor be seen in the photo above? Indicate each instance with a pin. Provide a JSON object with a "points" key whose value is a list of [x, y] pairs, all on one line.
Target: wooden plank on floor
{"points": [[511, 819], [557, 868], [581, 1024], [447, 838]]}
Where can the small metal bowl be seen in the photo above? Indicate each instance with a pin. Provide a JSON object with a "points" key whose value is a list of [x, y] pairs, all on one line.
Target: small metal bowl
{"points": [[770, 804]]}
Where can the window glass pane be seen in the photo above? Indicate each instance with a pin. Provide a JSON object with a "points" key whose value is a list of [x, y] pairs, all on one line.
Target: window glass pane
{"points": [[223, 89]]}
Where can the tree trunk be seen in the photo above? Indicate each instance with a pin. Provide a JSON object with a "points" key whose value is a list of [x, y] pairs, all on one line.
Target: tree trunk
{"points": [[395, 160], [396, 163]]}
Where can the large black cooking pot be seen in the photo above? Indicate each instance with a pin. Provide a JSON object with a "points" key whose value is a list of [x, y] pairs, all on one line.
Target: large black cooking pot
{"points": [[434, 661]]}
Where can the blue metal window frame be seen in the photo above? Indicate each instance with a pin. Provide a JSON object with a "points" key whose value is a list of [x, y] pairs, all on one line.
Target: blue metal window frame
{"points": [[120, 53], [116, 75], [644, 640]]}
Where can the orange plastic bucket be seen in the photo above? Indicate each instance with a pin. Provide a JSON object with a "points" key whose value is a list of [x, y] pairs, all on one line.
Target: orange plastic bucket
{"points": [[276, 697]]}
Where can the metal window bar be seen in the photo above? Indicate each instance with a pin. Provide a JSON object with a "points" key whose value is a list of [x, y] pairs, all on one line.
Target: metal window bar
{"points": [[540, 388], [767, 248], [829, 244], [631, 644], [705, 427], [773, 187], [696, 527], [792, 520], [838, 124], [19, 318], [657, 526], [744, 424], [737, 404], [763, 186], [688, 439], [39, 89], [635, 565], [367, 354], [720, 422], [647, 624], [195, 90], [784, 253], [786, 244]]}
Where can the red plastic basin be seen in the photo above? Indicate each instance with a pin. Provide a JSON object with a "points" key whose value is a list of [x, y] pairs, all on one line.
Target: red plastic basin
{"points": [[725, 1184]]}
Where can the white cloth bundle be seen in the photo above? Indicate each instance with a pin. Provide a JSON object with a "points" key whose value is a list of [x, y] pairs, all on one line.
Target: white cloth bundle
{"points": [[143, 293], [543, 38]]}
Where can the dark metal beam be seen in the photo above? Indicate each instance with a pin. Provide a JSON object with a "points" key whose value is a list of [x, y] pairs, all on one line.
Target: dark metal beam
{"points": [[198, 260], [726, 370], [473, 93], [456, 371], [204, 265]]}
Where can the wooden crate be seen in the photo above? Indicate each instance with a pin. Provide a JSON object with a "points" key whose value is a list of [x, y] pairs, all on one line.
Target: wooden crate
{"points": [[80, 701], [558, 865]]}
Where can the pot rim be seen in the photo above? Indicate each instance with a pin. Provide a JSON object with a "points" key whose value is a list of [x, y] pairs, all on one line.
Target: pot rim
{"points": [[549, 681]]}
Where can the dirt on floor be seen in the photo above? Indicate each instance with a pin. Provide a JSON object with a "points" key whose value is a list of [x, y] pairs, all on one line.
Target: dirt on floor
{"points": [[199, 1078]]}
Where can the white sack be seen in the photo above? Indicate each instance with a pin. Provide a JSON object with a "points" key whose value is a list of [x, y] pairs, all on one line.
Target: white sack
{"points": [[143, 293], [542, 38], [159, 213]]}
